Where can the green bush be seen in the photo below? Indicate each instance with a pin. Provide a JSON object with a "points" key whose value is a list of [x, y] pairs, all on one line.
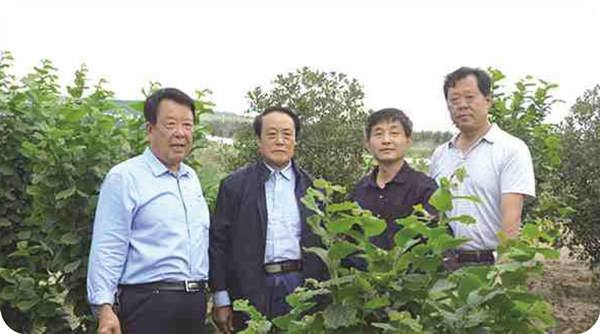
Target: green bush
{"points": [[55, 151], [580, 171], [522, 112], [330, 108], [404, 290]]}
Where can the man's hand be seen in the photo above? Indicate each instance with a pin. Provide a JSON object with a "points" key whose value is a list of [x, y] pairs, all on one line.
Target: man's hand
{"points": [[223, 316], [108, 323]]}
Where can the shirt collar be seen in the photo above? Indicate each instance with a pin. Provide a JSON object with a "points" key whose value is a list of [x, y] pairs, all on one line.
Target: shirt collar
{"points": [[158, 168], [286, 172], [399, 178], [491, 136]]}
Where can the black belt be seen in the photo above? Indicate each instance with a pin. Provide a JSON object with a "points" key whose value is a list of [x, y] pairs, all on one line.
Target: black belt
{"points": [[185, 286], [476, 256], [283, 266]]}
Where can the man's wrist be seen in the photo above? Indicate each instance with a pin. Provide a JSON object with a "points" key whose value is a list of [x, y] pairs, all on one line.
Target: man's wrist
{"points": [[99, 308]]}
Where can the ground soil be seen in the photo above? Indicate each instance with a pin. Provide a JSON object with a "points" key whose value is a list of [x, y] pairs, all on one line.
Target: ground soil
{"points": [[567, 284]]}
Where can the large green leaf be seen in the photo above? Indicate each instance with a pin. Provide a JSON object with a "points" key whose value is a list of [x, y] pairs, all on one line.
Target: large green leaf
{"points": [[441, 200], [338, 315], [468, 283], [340, 225], [372, 226], [341, 249]]}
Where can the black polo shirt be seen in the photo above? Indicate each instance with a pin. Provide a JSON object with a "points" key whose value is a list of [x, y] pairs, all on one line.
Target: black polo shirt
{"points": [[396, 200]]}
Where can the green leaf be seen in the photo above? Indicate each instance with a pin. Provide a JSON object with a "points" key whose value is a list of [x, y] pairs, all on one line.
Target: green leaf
{"points": [[24, 235], [340, 225], [468, 198], [320, 183], [311, 205], [4, 222], [70, 239], [465, 219], [372, 226], [468, 283], [530, 231], [70, 267], [9, 293], [548, 253], [376, 303], [404, 236], [6, 170], [345, 206], [442, 284], [65, 193], [341, 249], [6, 275], [338, 315], [320, 252], [441, 200], [26, 305]]}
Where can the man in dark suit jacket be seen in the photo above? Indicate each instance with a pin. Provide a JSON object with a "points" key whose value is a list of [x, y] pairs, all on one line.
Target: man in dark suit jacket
{"points": [[259, 228]]}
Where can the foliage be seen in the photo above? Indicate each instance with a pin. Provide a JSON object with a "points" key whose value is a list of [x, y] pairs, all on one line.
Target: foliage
{"points": [[332, 115], [580, 172], [522, 113], [404, 290], [56, 150]]}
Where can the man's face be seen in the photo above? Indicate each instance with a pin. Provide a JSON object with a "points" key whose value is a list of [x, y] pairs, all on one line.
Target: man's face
{"points": [[277, 139], [388, 142], [171, 137], [467, 105]]}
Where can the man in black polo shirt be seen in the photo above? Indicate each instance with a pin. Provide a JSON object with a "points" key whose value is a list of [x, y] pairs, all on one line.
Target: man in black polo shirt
{"points": [[392, 189]]}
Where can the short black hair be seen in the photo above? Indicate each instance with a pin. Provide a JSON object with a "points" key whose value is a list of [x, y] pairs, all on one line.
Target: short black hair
{"points": [[174, 94], [484, 81], [388, 115], [258, 119]]}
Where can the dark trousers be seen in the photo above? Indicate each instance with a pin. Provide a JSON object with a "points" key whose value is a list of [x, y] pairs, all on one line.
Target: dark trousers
{"points": [[280, 286], [148, 311]]}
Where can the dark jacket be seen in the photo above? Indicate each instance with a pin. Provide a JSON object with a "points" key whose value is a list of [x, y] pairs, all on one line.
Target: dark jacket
{"points": [[238, 235]]}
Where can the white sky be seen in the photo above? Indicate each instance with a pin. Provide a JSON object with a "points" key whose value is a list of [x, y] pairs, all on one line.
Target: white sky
{"points": [[399, 51]]}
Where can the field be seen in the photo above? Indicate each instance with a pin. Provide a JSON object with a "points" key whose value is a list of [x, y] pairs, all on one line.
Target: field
{"points": [[567, 284]]}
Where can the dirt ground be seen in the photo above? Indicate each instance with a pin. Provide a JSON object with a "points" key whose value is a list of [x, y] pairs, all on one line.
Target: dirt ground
{"points": [[567, 284]]}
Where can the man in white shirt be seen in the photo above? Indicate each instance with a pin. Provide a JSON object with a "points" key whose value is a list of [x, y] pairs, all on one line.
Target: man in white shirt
{"points": [[499, 167]]}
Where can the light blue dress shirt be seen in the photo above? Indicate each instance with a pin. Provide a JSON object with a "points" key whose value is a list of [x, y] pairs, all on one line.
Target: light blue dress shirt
{"points": [[283, 216], [283, 222], [151, 225]]}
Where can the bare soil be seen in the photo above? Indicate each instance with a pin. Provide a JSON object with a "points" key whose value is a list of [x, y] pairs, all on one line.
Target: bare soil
{"points": [[567, 284]]}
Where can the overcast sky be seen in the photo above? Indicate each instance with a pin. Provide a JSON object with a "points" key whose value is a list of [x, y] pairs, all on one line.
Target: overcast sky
{"points": [[399, 51]]}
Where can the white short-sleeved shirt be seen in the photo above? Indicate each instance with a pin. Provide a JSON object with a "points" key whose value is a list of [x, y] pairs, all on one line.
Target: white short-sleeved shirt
{"points": [[497, 164]]}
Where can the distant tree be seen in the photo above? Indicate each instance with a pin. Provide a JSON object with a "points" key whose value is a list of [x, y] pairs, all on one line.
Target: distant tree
{"points": [[330, 107], [581, 171]]}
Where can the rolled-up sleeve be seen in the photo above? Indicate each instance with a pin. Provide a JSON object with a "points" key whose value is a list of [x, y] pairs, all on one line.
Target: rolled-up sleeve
{"points": [[110, 239]]}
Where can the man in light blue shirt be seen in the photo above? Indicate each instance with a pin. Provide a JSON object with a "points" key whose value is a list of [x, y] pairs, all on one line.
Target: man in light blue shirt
{"points": [[149, 255]]}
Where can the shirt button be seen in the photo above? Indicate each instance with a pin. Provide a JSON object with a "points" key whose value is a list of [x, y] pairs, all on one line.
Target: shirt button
{"points": [[380, 196]]}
